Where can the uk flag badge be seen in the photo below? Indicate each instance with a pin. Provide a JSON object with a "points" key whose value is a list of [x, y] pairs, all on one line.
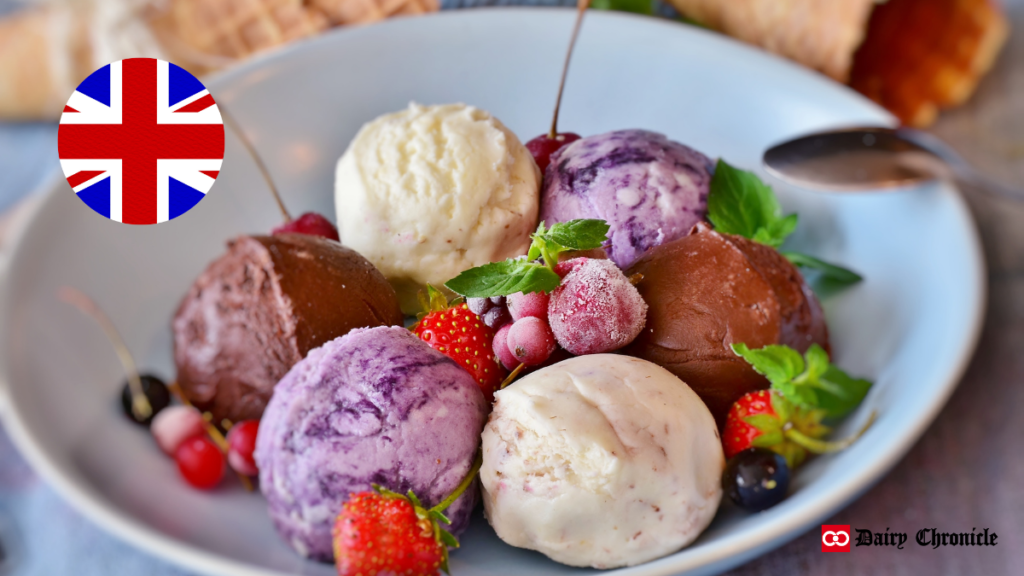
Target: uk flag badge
{"points": [[141, 141]]}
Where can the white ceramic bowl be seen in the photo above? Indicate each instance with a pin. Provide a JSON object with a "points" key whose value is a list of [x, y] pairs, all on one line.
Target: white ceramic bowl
{"points": [[911, 325]]}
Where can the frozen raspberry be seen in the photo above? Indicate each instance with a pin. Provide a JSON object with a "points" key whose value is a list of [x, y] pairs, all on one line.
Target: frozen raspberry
{"points": [[530, 340], [501, 350], [524, 305], [596, 309], [175, 424]]}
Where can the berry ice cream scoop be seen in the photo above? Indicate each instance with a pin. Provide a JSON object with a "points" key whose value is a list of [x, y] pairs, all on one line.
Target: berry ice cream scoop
{"points": [[648, 188], [602, 461], [376, 406]]}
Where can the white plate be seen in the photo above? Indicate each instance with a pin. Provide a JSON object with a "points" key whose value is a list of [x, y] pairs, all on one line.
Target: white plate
{"points": [[911, 325]]}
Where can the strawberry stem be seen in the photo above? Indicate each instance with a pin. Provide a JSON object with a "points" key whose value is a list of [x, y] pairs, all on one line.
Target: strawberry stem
{"points": [[470, 476], [230, 123], [141, 407], [825, 446]]}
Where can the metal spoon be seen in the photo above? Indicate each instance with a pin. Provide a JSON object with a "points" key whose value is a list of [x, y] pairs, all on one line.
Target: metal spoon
{"points": [[860, 159]]}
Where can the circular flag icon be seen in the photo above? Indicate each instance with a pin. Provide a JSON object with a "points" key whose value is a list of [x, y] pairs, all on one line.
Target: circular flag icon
{"points": [[141, 141]]}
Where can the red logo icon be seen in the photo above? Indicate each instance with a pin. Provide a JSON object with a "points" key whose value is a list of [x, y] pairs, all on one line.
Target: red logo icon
{"points": [[835, 538]]}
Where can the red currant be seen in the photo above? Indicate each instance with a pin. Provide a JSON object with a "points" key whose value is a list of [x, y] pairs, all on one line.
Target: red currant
{"points": [[200, 462], [241, 444], [311, 224], [543, 146]]}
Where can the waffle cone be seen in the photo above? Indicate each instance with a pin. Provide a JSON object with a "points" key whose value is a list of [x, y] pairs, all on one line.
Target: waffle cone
{"points": [[920, 56], [365, 11], [820, 34]]}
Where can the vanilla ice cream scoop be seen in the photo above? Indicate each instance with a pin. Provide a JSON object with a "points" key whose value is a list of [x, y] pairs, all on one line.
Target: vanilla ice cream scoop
{"points": [[602, 461], [431, 191]]}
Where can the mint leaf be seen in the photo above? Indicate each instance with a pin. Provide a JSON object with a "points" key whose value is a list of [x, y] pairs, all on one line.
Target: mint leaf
{"points": [[810, 381], [578, 234], [836, 275], [504, 278], [777, 363], [634, 6], [740, 203]]}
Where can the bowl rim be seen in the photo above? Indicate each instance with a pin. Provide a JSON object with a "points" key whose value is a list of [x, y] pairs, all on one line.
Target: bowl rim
{"points": [[742, 546]]}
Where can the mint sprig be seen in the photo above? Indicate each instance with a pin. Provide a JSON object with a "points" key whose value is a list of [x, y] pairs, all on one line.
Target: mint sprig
{"points": [[741, 203], [527, 275], [634, 6], [809, 381]]}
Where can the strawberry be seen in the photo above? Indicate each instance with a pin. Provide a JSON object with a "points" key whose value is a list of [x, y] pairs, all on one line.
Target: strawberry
{"points": [[766, 419], [382, 532], [458, 333], [386, 533]]}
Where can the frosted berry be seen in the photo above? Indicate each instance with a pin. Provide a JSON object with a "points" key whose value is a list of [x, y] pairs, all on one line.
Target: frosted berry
{"points": [[501, 349], [596, 309], [524, 305], [479, 306], [496, 317], [175, 424], [530, 340], [241, 444], [543, 146], [756, 479], [200, 462], [310, 224], [462, 336]]}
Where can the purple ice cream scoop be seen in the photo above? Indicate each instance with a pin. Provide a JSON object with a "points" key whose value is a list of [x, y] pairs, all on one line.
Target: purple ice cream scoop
{"points": [[378, 406], [648, 188]]}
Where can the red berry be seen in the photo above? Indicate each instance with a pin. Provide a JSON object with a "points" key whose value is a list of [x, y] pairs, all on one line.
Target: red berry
{"points": [[595, 309], [501, 349], [200, 462], [463, 337], [175, 424], [241, 444], [376, 534], [739, 435], [310, 224], [530, 340], [543, 146], [533, 304]]}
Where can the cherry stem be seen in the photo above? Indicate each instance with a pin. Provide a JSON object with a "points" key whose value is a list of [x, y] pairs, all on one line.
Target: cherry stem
{"points": [[824, 446], [581, 7], [470, 476], [141, 407], [512, 376], [256, 158]]}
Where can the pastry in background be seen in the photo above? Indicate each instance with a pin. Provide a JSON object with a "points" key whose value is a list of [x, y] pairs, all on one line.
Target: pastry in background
{"points": [[920, 56], [48, 48], [820, 34]]}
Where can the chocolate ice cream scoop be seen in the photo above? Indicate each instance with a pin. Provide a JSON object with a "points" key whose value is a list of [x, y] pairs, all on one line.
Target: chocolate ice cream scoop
{"points": [[707, 291], [257, 310]]}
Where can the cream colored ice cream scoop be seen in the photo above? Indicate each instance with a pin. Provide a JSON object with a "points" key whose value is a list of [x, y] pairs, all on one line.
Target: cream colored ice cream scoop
{"points": [[430, 191], [602, 461]]}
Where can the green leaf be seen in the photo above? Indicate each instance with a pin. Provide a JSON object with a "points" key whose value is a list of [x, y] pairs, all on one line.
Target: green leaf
{"points": [[740, 203], [439, 516], [504, 278], [635, 6], [817, 361], [853, 392], [579, 234], [835, 274], [777, 231], [777, 363], [448, 540], [768, 439]]}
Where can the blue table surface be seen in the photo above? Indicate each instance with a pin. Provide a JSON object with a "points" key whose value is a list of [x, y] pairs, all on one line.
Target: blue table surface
{"points": [[41, 535]]}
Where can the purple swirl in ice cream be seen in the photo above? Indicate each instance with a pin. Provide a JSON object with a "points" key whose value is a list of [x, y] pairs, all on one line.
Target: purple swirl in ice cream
{"points": [[648, 188], [378, 406]]}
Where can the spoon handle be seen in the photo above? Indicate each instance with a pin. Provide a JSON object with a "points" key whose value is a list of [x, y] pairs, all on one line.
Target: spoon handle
{"points": [[962, 169]]}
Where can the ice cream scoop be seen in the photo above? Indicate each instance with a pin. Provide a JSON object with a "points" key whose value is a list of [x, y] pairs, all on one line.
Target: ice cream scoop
{"points": [[708, 291], [376, 406], [259, 308], [602, 461], [431, 191], [648, 188]]}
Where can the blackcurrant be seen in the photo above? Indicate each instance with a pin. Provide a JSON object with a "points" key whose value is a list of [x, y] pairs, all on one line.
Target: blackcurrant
{"points": [[154, 389], [756, 479]]}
